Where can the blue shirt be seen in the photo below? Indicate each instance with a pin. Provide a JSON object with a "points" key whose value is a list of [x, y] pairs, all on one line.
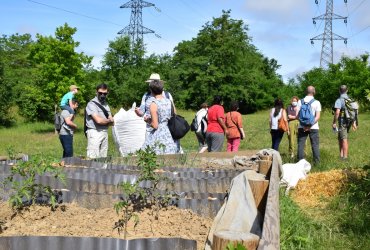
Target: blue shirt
{"points": [[66, 98]]}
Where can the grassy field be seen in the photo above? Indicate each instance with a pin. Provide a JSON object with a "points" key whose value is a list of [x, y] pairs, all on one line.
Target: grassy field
{"points": [[39, 138], [316, 229]]}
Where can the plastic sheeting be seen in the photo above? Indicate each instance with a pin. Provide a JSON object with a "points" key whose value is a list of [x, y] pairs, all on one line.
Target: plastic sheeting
{"points": [[128, 131], [239, 212]]}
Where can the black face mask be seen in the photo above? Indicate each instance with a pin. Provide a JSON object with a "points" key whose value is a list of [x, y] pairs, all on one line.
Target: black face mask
{"points": [[102, 98]]}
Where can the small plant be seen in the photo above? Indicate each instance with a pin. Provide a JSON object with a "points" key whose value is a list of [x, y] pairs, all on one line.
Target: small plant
{"points": [[147, 160], [11, 152], [130, 202], [26, 191], [238, 246]]}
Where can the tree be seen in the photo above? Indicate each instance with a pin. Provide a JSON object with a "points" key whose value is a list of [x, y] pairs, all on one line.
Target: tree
{"points": [[5, 95], [353, 72], [126, 70], [57, 67], [221, 60], [17, 68]]}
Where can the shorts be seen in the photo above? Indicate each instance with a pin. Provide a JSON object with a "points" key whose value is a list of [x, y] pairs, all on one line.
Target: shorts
{"points": [[343, 133]]}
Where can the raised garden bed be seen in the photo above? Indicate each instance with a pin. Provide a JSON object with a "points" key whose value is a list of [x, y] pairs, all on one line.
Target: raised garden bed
{"points": [[200, 188]]}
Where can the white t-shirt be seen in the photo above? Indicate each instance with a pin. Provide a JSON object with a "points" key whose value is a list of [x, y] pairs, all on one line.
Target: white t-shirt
{"points": [[315, 107], [200, 114], [275, 120]]}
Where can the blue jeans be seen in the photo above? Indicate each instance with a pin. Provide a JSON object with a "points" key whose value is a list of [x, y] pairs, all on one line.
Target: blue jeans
{"points": [[314, 138], [67, 144], [276, 136], [67, 107]]}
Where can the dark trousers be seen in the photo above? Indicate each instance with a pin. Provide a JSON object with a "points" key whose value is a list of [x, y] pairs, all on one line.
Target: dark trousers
{"points": [[67, 107], [314, 138], [276, 136], [67, 144]]}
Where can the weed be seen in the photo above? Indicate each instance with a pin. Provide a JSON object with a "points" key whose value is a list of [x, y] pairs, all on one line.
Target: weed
{"points": [[26, 191], [11, 152]]}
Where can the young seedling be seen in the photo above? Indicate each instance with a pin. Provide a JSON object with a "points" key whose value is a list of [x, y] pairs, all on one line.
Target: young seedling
{"points": [[129, 203], [147, 160], [26, 191]]}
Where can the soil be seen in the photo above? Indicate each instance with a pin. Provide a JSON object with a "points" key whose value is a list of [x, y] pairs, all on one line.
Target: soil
{"points": [[72, 220]]}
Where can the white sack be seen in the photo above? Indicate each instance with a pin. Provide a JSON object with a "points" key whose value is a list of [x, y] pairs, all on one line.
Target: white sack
{"points": [[128, 131], [293, 172]]}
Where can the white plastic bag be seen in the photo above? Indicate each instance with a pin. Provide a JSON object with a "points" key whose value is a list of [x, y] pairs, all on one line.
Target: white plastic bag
{"points": [[128, 131]]}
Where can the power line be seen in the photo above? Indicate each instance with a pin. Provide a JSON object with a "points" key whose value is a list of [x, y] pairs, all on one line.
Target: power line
{"points": [[361, 31], [358, 6], [74, 13]]}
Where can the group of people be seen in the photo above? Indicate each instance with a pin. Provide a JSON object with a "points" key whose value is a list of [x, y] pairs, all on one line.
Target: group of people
{"points": [[298, 132], [157, 107], [214, 125]]}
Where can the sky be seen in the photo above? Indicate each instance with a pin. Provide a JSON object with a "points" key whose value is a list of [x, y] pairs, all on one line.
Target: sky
{"points": [[279, 29]]}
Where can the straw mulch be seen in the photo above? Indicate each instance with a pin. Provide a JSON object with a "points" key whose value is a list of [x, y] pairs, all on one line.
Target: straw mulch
{"points": [[318, 187]]}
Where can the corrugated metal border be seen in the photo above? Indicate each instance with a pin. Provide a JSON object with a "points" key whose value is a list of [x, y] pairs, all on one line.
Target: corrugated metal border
{"points": [[93, 243]]}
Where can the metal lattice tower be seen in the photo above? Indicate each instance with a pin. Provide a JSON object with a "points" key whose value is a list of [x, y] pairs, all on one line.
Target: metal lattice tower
{"points": [[135, 29], [328, 36]]}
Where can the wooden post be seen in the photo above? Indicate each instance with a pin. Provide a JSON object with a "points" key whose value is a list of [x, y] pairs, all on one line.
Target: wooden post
{"points": [[266, 157], [222, 238], [264, 167], [259, 190], [270, 238]]}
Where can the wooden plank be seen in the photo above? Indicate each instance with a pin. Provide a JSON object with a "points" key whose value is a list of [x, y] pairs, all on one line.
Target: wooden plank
{"points": [[222, 238], [271, 225], [259, 190], [264, 167]]}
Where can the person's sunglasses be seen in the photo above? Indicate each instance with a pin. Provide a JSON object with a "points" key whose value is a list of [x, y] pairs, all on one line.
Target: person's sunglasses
{"points": [[102, 93]]}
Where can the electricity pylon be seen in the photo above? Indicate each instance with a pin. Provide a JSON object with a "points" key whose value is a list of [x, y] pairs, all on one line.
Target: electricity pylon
{"points": [[328, 36], [135, 29]]}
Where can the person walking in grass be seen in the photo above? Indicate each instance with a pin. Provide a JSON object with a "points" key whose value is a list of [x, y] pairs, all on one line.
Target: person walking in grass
{"points": [[201, 118], [67, 129], [311, 130], [234, 124], [343, 124], [277, 112], [292, 112], [216, 128]]}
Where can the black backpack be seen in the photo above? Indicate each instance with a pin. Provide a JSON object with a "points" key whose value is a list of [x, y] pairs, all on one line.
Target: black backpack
{"points": [[58, 121]]}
